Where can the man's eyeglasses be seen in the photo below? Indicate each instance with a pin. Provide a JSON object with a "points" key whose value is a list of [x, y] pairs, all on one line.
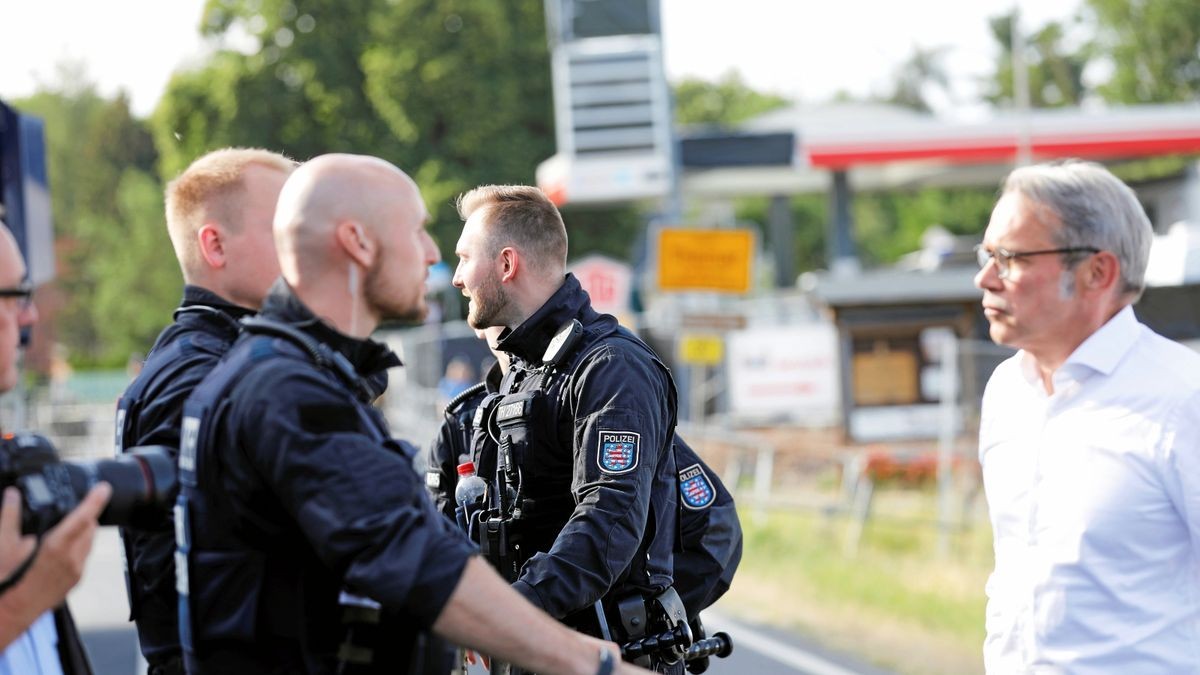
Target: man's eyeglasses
{"points": [[1003, 256], [24, 292]]}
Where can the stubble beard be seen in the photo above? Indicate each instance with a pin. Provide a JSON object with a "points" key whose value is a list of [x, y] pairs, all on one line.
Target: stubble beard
{"points": [[392, 306], [489, 302]]}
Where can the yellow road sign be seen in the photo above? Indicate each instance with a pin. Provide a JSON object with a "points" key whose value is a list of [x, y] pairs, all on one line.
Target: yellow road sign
{"points": [[701, 350], [705, 260]]}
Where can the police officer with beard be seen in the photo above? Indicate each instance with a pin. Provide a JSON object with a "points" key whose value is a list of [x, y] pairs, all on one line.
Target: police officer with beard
{"points": [[306, 543], [585, 424]]}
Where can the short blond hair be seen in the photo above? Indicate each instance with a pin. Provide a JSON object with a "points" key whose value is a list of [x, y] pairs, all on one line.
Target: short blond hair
{"points": [[211, 188], [519, 215]]}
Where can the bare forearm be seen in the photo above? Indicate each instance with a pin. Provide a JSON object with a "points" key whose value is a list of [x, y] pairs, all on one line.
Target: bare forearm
{"points": [[485, 614]]}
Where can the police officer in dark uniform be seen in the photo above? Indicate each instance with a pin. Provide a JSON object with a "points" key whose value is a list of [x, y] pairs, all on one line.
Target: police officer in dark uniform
{"points": [[454, 442], [584, 427], [219, 215], [710, 534], [709, 547], [305, 540]]}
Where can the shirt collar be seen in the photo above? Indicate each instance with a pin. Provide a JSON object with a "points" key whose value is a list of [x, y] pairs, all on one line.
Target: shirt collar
{"points": [[1099, 353], [1105, 348], [529, 340], [366, 355]]}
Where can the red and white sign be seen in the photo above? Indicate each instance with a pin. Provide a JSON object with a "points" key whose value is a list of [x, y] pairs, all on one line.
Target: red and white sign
{"points": [[788, 372], [607, 281]]}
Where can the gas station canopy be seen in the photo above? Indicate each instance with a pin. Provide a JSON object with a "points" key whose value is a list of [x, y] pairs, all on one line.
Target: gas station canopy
{"points": [[795, 150]]}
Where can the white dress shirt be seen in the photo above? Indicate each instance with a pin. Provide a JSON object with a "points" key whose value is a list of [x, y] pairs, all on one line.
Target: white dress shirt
{"points": [[1094, 496]]}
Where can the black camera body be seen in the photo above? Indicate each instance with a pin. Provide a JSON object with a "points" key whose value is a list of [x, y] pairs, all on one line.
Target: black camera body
{"points": [[144, 482]]}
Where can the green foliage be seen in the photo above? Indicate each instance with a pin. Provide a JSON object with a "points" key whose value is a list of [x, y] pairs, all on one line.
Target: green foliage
{"points": [[138, 280], [610, 231], [457, 93], [1055, 72], [794, 572], [890, 224], [725, 102], [115, 269], [1154, 47], [922, 70], [887, 224], [809, 215]]}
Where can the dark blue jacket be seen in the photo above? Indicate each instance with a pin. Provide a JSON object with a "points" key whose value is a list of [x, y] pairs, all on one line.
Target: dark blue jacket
{"points": [[148, 413], [293, 493], [453, 444], [598, 480], [710, 534]]}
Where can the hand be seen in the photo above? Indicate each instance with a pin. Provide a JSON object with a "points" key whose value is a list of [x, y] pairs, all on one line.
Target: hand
{"points": [[58, 564], [14, 548], [65, 547]]}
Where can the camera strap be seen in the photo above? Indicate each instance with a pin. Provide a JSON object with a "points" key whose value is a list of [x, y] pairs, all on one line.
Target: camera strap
{"points": [[17, 574]]}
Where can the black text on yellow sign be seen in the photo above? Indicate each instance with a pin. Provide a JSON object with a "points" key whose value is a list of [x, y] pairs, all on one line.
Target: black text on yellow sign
{"points": [[701, 350], [705, 260]]}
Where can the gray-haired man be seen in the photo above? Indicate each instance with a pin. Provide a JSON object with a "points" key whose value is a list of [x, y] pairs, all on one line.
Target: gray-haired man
{"points": [[1089, 439]]}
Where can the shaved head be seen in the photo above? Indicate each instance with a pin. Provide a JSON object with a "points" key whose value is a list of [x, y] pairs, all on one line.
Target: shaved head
{"points": [[328, 190], [355, 225]]}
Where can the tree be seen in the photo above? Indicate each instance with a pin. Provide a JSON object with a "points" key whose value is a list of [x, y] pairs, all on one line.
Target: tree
{"points": [[1154, 49], [457, 93], [725, 102], [922, 72], [1055, 71], [115, 271]]}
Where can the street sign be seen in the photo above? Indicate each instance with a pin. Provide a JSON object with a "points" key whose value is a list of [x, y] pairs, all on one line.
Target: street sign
{"points": [[705, 260], [608, 283], [701, 350], [714, 322]]}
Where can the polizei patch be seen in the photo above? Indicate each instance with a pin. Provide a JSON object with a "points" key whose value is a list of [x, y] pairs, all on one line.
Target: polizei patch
{"points": [[618, 451], [695, 489]]}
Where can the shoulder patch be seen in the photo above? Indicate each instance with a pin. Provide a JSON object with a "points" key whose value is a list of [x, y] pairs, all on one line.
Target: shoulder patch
{"points": [[695, 489], [618, 451]]}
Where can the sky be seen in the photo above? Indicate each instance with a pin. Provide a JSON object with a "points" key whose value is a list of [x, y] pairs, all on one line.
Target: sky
{"points": [[806, 50]]}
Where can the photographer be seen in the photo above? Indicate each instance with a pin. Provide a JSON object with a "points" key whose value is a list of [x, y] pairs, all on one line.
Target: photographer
{"points": [[36, 576]]}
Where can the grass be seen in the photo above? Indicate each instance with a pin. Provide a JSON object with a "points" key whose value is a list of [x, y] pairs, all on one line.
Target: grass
{"points": [[895, 601]]}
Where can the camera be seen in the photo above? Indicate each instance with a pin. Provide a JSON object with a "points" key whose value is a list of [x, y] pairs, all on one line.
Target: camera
{"points": [[144, 482]]}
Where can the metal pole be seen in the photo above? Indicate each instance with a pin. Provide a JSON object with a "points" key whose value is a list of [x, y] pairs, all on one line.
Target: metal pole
{"points": [[843, 258], [1021, 91], [946, 433]]}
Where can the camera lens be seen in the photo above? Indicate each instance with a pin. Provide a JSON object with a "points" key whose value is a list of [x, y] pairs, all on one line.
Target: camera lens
{"points": [[144, 484]]}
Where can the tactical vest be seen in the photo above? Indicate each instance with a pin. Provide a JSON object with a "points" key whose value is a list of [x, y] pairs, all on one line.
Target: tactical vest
{"points": [[708, 544], [527, 450], [229, 559]]}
